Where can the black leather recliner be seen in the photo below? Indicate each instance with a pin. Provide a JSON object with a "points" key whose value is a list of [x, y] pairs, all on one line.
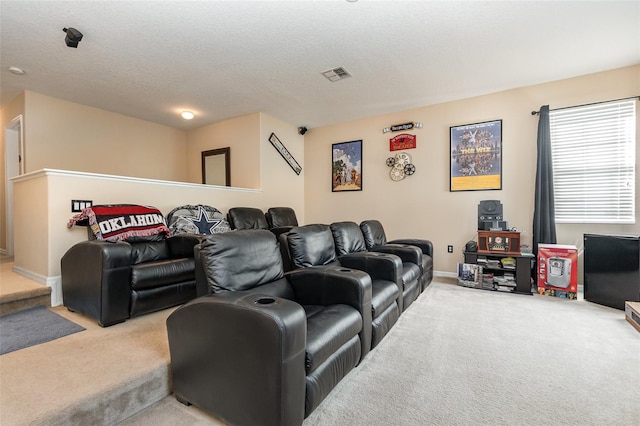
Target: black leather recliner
{"points": [[348, 238], [314, 246], [279, 217], [375, 237], [247, 218], [411, 257], [253, 218], [265, 347], [113, 281]]}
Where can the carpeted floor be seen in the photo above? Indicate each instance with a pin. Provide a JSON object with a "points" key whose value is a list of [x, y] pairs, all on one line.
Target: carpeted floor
{"points": [[463, 356], [33, 326], [18, 292], [99, 376]]}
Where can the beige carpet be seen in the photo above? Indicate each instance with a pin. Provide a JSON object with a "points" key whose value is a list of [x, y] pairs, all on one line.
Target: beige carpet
{"points": [[98, 376], [458, 356], [463, 356], [18, 292], [473, 357]]}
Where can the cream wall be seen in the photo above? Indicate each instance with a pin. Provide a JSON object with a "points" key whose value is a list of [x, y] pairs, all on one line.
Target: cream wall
{"points": [[7, 114], [33, 233], [281, 187], [70, 136], [421, 205], [286, 188], [43, 201], [242, 135]]}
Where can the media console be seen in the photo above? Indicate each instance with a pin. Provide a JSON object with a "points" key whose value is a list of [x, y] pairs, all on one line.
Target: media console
{"points": [[522, 268]]}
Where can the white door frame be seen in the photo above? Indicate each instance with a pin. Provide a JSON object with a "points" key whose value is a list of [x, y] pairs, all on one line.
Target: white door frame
{"points": [[14, 166]]}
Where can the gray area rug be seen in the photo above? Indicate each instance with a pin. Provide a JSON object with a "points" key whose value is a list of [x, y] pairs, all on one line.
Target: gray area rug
{"points": [[29, 327]]}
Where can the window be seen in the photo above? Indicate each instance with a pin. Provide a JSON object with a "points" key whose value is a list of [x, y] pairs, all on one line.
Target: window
{"points": [[593, 148]]}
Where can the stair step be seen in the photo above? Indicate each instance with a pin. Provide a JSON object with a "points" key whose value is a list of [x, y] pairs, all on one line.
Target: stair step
{"points": [[18, 292], [99, 376]]}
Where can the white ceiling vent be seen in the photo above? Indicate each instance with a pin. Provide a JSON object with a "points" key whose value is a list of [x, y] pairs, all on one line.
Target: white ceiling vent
{"points": [[336, 74]]}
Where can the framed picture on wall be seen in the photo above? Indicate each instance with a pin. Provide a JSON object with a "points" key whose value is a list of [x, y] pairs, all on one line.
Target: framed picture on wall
{"points": [[279, 146], [346, 170], [476, 156]]}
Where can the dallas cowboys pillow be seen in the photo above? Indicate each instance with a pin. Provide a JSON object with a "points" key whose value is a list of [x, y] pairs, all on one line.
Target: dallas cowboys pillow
{"points": [[196, 219]]}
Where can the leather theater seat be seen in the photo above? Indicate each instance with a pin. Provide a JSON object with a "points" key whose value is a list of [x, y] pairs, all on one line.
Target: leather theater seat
{"points": [[114, 281], [277, 219], [265, 347], [281, 219], [375, 237], [247, 218], [413, 260], [314, 246]]}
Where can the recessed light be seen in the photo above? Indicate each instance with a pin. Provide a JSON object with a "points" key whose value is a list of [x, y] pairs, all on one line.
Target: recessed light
{"points": [[16, 70], [187, 115]]}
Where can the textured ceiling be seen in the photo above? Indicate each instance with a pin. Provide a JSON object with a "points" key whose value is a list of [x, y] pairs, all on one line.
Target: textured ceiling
{"points": [[222, 59]]}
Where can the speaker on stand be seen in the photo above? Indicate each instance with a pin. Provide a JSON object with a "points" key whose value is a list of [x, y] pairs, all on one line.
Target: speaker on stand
{"points": [[490, 216]]}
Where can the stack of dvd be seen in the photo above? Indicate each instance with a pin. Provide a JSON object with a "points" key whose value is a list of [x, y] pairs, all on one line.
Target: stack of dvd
{"points": [[487, 281]]}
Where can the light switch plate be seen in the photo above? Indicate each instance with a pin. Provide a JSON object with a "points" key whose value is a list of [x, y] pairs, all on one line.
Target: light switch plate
{"points": [[78, 205]]}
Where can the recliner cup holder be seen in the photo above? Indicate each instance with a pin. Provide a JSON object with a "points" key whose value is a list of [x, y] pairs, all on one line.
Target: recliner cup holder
{"points": [[265, 301]]}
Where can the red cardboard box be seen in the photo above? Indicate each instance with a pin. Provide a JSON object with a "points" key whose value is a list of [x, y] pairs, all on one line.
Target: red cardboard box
{"points": [[558, 270]]}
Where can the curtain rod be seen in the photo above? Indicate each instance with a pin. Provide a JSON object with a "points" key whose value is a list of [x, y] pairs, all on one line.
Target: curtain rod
{"points": [[592, 103]]}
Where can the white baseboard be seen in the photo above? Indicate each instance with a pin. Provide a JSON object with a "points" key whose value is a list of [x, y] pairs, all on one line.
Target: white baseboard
{"points": [[445, 274], [54, 282]]}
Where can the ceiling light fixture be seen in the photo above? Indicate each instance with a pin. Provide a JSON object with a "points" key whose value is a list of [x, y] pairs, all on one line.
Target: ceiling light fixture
{"points": [[187, 115], [16, 70]]}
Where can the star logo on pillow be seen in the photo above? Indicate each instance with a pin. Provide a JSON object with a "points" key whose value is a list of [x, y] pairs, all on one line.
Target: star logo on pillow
{"points": [[203, 223]]}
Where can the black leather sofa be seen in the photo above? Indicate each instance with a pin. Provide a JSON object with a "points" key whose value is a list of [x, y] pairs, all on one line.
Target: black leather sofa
{"points": [[314, 246], [113, 281], [265, 347]]}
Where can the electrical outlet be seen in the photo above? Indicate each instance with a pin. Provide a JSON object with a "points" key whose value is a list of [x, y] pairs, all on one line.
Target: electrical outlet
{"points": [[450, 249]]}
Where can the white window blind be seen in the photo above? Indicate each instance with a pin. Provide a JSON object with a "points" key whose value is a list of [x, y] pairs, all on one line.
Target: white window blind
{"points": [[593, 149]]}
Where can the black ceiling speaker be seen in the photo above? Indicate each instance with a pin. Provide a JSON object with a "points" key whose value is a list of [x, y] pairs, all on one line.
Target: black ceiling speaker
{"points": [[490, 213], [302, 130], [73, 37]]}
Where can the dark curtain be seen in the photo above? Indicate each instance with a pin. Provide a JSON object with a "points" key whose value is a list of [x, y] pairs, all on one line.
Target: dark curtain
{"points": [[544, 224]]}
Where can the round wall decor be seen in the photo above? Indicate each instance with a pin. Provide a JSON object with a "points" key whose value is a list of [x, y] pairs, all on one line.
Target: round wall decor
{"points": [[401, 166]]}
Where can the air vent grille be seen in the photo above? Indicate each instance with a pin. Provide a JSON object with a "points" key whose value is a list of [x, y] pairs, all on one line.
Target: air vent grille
{"points": [[336, 74]]}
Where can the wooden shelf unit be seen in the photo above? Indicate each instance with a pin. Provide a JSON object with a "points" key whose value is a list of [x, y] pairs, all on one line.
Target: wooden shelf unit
{"points": [[522, 271]]}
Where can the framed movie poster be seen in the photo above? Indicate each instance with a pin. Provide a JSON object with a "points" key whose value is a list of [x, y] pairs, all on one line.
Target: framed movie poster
{"points": [[346, 173], [476, 156]]}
